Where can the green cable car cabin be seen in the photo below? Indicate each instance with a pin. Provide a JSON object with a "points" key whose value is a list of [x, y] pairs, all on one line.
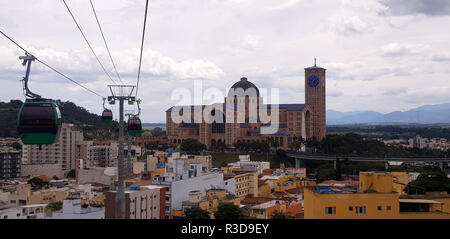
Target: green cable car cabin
{"points": [[134, 126], [107, 115], [39, 122]]}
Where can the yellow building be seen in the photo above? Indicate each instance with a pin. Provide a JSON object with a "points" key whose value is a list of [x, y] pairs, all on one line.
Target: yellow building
{"points": [[24, 195], [246, 183], [384, 182], [267, 209], [263, 189], [211, 201], [377, 198]]}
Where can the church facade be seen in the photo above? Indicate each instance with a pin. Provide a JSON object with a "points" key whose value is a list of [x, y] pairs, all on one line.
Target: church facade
{"points": [[243, 117]]}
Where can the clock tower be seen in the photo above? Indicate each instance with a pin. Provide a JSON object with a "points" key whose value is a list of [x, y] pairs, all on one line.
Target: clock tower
{"points": [[315, 99]]}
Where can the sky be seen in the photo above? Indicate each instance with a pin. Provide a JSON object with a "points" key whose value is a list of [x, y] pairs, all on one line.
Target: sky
{"points": [[381, 55]]}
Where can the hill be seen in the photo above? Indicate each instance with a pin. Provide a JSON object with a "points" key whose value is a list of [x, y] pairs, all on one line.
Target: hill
{"points": [[91, 124], [427, 114]]}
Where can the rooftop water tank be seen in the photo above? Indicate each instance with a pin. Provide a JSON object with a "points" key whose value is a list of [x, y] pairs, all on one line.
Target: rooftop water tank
{"points": [[134, 187]]}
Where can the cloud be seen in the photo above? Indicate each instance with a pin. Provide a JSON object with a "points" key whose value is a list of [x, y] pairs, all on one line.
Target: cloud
{"points": [[349, 26], [441, 57], [398, 49], [427, 7]]}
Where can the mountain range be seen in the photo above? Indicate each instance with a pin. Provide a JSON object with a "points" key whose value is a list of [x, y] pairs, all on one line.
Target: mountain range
{"points": [[427, 114]]}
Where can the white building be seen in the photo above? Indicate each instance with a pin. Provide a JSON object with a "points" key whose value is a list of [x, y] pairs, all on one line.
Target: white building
{"points": [[181, 177], [98, 154], [12, 211], [106, 176], [72, 210], [418, 142], [251, 166]]}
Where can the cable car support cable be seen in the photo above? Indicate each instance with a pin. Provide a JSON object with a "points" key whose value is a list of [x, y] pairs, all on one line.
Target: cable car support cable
{"points": [[142, 47], [104, 40], [93, 52], [51, 68]]}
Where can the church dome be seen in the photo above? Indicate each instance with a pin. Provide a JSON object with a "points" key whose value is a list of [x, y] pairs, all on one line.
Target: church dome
{"points": [[243, 84]]}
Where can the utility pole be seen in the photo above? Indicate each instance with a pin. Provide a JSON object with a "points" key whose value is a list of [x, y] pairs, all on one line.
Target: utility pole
{"points": [[121, 93]]}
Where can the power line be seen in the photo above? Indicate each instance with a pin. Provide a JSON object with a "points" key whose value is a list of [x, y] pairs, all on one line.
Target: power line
{"points": [[45, 64], [104, 40], [142, 47], [79, 28]]}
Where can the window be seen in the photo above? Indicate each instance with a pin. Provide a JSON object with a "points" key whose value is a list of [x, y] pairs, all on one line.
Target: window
{"points": [[330, 210], [361, 210], [350, 208], [388, 208], [379, 208]]}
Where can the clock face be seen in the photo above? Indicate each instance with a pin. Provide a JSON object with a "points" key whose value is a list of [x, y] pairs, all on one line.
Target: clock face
{"points": [[313, 81]]}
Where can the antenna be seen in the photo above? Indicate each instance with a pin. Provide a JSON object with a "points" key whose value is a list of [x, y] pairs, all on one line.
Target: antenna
{"points": [[315, 61]]}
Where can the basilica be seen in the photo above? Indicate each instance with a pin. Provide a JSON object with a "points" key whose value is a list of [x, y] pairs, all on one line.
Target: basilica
{"points": [[241, 118]]}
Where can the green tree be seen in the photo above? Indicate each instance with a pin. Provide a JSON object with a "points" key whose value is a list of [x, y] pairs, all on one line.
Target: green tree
{"points": [[280, 215], [192, 145], [54, 206], [228, 211], [157, 131], [196, 213], [71, 174], [429, 182], [37, 183]]}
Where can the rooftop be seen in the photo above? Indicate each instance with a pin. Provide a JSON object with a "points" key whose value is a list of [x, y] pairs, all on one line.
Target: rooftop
{"points": [[267, 204]]}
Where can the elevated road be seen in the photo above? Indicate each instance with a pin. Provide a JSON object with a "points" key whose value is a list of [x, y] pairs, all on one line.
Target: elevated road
{"points": [[298, 156]]}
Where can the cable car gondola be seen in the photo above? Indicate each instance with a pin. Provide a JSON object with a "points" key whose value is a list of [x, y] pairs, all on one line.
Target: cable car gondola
{"points": [[134, 126], [107, 115], [39, 122]]}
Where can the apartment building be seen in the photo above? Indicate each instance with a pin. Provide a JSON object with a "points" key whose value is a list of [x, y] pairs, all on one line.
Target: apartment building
{"points": [[142, 202], [62, 152], [9, 163], [376, 199], [210, 202]]}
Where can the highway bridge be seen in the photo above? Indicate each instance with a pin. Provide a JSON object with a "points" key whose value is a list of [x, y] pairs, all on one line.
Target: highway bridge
{"points": [[298, 156]]}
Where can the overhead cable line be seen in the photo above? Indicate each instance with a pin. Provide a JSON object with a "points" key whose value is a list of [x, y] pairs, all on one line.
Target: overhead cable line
{"points": [[142, 47], [79, 28], [104, 40], [53, 69]]}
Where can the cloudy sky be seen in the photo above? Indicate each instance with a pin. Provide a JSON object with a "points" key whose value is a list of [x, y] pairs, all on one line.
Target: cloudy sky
{"points": [[381, 55]]}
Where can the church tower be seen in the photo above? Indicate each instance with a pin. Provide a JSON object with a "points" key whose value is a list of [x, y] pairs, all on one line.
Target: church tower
{"points": [[315, 98]]}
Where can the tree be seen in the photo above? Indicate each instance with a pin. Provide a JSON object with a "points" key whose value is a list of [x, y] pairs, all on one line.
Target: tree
{"points": [[429, 182], [37, 183], [55, 177], [71, 174], [157, 131], [192, 145], [228, 211], [196, 213], [54, 206], [280, 215], [312, 144]]}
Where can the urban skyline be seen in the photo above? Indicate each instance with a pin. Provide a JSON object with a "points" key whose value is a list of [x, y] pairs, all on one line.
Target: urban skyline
{"points": [[375, 51]]}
